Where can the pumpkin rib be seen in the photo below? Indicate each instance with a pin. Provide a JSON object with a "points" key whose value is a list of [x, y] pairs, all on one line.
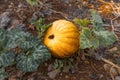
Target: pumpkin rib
{"points": [[71, 42], [60, 51], [61, 22], [69, 31], [66, 52], [67, 45], [74, 35]]}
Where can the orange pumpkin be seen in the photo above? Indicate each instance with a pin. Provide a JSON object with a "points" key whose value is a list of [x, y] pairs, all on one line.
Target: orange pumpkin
{"points": [[62, 38]]}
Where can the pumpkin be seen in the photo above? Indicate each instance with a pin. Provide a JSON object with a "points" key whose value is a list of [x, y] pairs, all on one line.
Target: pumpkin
{"points": [[62, 38]]}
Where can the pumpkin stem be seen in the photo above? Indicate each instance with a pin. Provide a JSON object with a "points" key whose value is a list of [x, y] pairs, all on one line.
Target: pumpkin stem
{"points": [[51, 36]]}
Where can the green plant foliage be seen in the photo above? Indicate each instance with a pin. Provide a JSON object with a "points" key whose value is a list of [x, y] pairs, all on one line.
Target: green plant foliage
{"points": [[95, 37], [82, 22], [65, 64], [41, 27], [87, 39], [32, 2], [105, 37], [29, 42], [32, 57], [15, 37], [96, 21], [6, 58], [33, 51], [58, 64], [2, 38], [3, 74]]}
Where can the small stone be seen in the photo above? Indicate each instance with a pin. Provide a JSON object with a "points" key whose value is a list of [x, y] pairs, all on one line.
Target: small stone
{"points": [[66, 76], [31, 78], [50, 67], [117, 78], [114, 71], [14, 22], [4, 19], [53, 74]]}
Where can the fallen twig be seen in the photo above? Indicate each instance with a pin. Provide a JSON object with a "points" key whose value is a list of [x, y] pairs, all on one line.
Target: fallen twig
{"points": [[111, 63]]}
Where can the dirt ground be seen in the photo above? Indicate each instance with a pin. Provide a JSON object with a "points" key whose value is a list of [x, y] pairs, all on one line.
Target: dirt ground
{"points": [[84, 68]]}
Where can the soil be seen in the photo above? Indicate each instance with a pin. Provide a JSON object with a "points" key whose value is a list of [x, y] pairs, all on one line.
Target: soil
{"points": [[84, 68]]}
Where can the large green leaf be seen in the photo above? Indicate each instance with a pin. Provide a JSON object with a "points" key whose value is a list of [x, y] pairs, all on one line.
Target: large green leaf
{"points": [[30, 60], [105, 37], [88, 40], [15, 37], [3, 74], [29, 42], [96, 21], [6, 58]]}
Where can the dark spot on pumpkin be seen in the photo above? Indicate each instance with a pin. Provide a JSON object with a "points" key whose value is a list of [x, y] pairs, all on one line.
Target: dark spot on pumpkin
{"points": [[51, 36]]}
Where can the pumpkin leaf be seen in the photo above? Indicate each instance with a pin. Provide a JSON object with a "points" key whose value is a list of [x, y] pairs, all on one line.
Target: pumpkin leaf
{"points": [[96, 21], [15, 37], [35, 56], [2, 38], [6, 58], [41, 27], [28, 42], [97, 36], [87, 40], [32, 2], [3, 74], [105, 37], [82, 22]]}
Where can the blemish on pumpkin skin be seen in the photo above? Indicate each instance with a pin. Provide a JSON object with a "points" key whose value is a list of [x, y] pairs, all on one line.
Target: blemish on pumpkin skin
{"points": [[51, 36]]}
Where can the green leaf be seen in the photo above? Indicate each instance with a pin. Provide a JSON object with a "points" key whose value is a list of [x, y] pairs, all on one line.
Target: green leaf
{"points": [[41, 27], [87, 39], [32, 2], [96, 21], [15, 37], [3, 74], [39, 23], [82, 22], [28, 42], [6, 58], [30, 62], [105, 37], [3, 38], [58, 63]]}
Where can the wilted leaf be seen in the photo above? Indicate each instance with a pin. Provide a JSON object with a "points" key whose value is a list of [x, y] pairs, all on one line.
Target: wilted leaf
{"points": [[30, 62], [3, 74], [6, 58]]}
